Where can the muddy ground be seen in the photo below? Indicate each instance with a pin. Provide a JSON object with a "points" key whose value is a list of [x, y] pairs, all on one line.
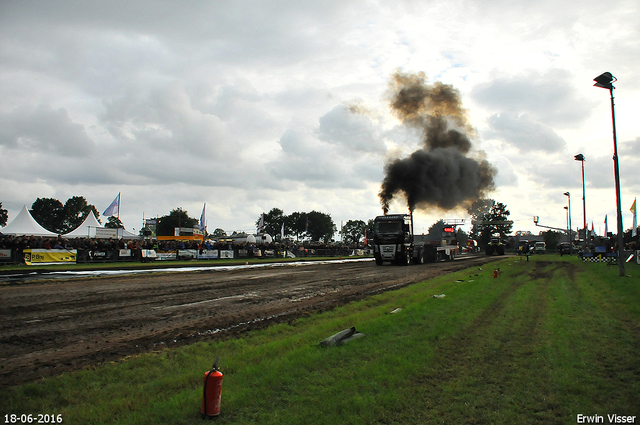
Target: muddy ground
{"points": [[54, 326]]}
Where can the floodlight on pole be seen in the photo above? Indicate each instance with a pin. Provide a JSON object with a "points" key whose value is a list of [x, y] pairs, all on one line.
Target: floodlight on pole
{"points": [[582, 159], [605, 81], [568, 195], [568, 229]]}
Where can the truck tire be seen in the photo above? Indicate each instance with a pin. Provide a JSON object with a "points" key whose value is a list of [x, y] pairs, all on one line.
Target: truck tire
{"points": [[378, 260], [406, 259], [490, 250]]}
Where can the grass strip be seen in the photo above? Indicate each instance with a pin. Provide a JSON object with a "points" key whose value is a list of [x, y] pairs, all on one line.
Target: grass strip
{"points": [[548, 339]]}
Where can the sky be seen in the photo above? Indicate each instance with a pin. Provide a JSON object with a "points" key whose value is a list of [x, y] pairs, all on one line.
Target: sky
{"points": [[252, 105]]}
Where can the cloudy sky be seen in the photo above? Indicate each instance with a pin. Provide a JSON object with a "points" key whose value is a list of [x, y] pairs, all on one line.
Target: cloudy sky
{"points": [[251, 105]]}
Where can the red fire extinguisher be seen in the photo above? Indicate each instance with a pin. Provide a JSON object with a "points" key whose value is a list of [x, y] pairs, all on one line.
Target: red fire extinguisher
{"points": [[212, 391]]}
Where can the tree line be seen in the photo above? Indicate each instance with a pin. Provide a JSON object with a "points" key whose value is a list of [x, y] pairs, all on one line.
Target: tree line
{"points": [[314, 225], [488, 218]]}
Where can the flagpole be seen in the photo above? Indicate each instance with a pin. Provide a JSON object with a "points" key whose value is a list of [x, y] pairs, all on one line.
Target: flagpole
{"points": [[119, 205]]}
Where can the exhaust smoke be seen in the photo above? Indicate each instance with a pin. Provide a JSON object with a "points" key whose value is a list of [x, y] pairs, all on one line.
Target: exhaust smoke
{"points": [[441, 174]]}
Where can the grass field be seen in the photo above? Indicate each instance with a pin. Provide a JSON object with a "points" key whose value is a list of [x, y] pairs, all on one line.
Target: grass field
{"points": [[547, 340]]}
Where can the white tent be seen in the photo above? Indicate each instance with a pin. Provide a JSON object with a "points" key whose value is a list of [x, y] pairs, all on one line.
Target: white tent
{"points": [[24, 224], [91, 228], [87, 229]]}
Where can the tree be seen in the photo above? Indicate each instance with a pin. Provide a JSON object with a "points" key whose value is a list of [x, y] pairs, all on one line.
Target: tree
{"points": [[219, 233], [462, 237], [4, 216], [321, 226], [499, 220], [435, 231], [495, 222], [551, 239], [176, 218], [58, 218], [272, 221], [297, 223], [76, 210], [353, 231], [114, 222], [49, 213], [477, 211]]}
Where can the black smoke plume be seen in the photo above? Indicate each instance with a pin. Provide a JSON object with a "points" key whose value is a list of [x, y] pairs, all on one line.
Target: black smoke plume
{"points": [[441, 174]]}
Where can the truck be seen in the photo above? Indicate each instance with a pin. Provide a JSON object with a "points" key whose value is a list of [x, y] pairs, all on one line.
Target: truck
{"points": [[540, 247], [395, 242]]}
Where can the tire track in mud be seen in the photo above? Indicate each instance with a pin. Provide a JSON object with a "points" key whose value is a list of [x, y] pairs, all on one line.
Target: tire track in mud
{"points": [[485, 364], [57, 326]]}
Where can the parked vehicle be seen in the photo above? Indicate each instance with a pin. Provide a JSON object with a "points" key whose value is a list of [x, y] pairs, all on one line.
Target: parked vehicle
{"points": [[540, 248], [564, 248]]}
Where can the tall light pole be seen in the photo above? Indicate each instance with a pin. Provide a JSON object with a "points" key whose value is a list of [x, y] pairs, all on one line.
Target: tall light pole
{"points": [[568, 229], [568, 195], [605, 81], [582, 159]]}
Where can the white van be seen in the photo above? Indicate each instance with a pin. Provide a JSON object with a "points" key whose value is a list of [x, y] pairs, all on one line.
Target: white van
{"points": [[540, 248]]}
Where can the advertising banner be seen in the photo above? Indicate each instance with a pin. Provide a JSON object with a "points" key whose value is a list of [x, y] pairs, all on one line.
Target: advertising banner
{"points": [[226, 253], [49, 256], [188, 253], [149, 253], [162, 256], [106, 233], [5, 255], [208, 254]]}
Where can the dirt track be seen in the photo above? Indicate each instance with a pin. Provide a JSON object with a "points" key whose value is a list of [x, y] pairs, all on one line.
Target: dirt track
{"points": [[52, 327]]}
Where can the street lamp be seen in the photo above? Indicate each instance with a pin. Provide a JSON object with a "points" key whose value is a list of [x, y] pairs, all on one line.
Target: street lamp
{"points": [[568, 195], [582, 159], [568, 229], [605, 81]]}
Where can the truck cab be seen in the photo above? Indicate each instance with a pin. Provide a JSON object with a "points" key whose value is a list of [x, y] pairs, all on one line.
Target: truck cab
{"points": [[392, 238]]}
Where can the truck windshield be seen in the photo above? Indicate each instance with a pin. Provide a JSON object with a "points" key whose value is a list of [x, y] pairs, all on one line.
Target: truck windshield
{"points": [[391, 226]]}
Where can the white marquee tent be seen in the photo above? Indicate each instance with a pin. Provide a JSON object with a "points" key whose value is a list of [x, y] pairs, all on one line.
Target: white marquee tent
{"points": [[91, 228], [25, 225], [87, 229]]}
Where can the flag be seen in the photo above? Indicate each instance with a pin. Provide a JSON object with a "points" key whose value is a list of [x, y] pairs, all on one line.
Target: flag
{"points": [[593, 233], [634, 231], [261, 224], [203, 225], [282, 231], [606, 232], [114, 208]]}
